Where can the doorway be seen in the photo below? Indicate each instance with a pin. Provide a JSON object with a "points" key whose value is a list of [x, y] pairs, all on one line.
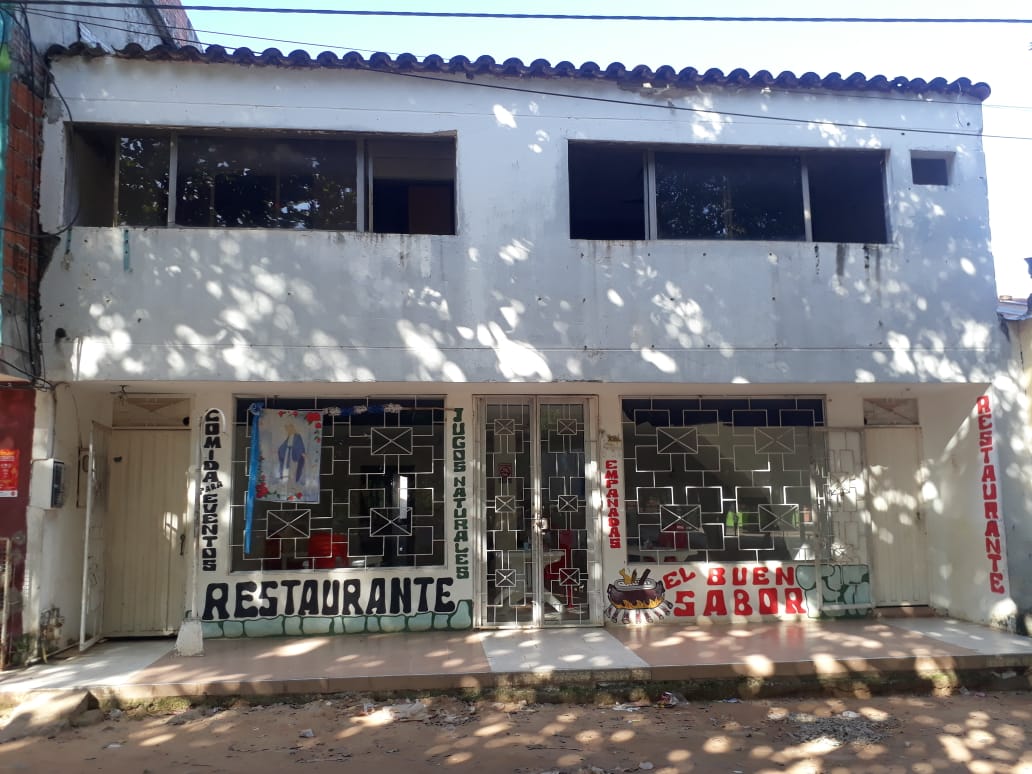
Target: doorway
{"points": [[899, 558], [147, 532], [538, 522]]}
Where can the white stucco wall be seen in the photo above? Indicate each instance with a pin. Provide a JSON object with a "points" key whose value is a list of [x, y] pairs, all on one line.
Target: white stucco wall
{"points": [[54, 544], [955, 508], [511, 302], [1014, 436], [511, 297], [956, 559], [951, 503]]}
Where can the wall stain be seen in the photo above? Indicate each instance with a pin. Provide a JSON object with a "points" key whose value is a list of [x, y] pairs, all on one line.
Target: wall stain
{"points": [[840, 259]]}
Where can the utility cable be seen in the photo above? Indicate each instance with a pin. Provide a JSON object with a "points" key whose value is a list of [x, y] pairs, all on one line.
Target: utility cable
{"points": [[682, 108], [540, 16], [98, 22], [34, 344], [708, 111], [59, 15]]}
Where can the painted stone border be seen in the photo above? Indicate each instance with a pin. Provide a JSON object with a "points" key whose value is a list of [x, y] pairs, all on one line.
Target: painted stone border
{"points": [[294, 626]]}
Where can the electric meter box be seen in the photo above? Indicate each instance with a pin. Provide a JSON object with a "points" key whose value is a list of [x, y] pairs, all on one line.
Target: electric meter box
{"points": [[47, 485]]}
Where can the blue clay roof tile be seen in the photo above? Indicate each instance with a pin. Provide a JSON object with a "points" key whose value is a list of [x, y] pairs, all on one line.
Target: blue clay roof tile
{"points": [[539, 68]]}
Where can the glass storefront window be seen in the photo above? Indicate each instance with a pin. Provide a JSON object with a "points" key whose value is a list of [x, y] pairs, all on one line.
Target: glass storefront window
{"points": [[381, 489], [720, 479]]}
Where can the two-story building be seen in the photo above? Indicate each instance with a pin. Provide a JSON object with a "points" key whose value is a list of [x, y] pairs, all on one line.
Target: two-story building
{"points": [[371, 344], [25, 33]]}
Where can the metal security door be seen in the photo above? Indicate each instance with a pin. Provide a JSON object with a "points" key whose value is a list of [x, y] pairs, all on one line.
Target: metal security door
{"points": [[538, 554], [90, 621], [841, 529]]}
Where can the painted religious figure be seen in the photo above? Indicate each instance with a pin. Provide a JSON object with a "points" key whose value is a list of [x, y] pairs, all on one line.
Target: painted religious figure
{"points": [[291, 454], [290, 443]]}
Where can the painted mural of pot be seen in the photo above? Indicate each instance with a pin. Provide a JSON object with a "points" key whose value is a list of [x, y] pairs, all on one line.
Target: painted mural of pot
{"points": [[636, 600]]}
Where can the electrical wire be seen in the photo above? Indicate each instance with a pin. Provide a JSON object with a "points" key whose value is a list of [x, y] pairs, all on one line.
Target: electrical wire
{"points": [[32, 343], [682, 108], [71, 122], [36, 355], [710, 111], [15, 367], [60, 15], [38, 382], [75, 405], [93, 21], [34, 4], [540, 16], [52, 82], [542, 92]]}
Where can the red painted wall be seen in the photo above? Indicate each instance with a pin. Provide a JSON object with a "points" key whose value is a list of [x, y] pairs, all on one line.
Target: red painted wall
{"points": [[17, 417]]}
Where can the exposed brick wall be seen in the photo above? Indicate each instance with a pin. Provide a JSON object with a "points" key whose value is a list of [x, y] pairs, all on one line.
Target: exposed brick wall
{"points": [[21, 248], [21, 251], [179, 23], [21, 258]]}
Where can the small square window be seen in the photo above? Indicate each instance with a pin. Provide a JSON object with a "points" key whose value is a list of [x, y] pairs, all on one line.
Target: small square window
{"points": [[927, 170], [890, 411]]}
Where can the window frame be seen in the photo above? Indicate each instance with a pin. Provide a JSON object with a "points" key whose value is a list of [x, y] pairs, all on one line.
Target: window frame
{"points": [[362, 182], [268, 149], [656, 227], [720, 428], [346, 487], [919, 169], [805, 157]]}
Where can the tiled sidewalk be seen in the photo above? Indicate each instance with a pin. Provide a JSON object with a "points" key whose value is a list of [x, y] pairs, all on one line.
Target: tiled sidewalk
{"points": [[142, 669]]}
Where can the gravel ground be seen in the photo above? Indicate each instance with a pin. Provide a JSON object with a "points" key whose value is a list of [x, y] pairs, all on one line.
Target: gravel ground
{"points": [[975, 732]]}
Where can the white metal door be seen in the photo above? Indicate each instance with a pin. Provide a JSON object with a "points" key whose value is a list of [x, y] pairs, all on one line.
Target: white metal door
{"points": [[538, 525], [841, 532], [899, 555], [93, 538], [148, 532]]}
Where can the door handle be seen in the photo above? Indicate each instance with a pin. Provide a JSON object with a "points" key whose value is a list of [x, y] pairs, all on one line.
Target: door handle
{"points": [[182, 543], [541, 524]]}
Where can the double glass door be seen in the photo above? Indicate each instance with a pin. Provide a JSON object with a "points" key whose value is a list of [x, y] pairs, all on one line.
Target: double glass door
{"points": [[538, 554]]}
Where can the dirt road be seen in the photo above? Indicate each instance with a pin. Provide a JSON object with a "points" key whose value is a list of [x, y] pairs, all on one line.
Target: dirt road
{"points": [[973, 732]]}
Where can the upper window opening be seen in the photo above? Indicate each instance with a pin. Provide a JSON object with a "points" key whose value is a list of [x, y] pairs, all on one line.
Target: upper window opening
{"points": [[728, 196], [413, 186], [629, 192], [403, 185], [607, 200], [143, 180], [890, 411], [847, 196], [929, 170], [265, 183]]}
